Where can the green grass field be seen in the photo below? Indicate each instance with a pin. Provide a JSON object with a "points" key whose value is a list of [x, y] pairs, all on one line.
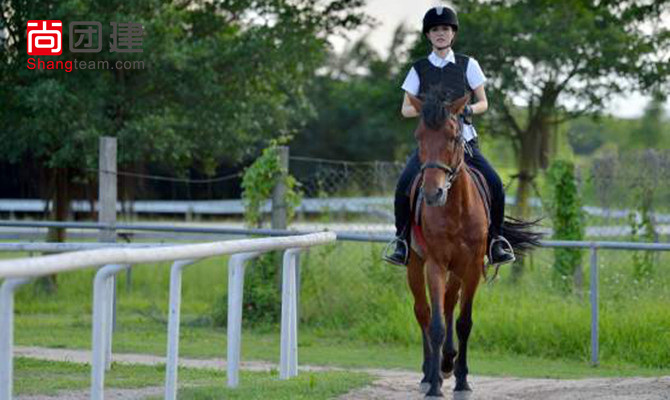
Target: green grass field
{"points": [[139, 335], [50, 378], [356, 311]]}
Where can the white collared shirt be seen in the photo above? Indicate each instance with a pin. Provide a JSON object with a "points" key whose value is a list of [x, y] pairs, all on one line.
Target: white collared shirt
{"points": [[474, 75]]}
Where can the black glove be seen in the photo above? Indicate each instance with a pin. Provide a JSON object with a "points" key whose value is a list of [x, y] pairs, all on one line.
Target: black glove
{"points": [[467, 114]]}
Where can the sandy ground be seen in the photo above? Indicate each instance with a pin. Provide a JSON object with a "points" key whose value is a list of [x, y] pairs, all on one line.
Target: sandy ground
{"points": [[390, 384]]}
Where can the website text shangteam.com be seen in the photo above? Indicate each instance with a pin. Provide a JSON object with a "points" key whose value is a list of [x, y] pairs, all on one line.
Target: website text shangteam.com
{"points": [[69, 65]]}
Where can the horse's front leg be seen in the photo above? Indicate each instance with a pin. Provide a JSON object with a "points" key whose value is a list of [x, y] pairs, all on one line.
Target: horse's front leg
{"points": [[417, 284], [448, 350], [463, 328], [437, 330]]}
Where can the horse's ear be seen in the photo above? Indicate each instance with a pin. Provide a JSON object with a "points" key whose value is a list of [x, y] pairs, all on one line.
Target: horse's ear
{"points": [[416, 102], [456, 107]]}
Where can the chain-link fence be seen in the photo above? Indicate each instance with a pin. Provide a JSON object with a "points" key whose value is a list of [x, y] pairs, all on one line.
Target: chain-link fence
{"points": [[624, 197]]}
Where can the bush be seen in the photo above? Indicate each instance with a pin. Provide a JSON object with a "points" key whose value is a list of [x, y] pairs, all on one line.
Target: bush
{"points": [[566, 213]]}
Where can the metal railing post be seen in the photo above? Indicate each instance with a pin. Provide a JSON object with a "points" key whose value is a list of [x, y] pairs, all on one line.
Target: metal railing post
{"points": [[594, 305], [173, 328], [101, 327], [288, 359], [7, 290], [293, 355], [110, 293], [234, 327]]}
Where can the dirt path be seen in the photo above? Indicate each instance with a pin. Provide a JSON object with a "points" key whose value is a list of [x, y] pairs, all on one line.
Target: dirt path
{"points": [[405, 386], [391, 384]]}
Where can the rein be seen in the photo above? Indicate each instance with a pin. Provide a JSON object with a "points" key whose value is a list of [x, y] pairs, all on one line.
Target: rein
{"points": [[451, 172]]}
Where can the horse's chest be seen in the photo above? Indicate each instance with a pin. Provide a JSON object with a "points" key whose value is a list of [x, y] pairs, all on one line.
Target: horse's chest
{"points": [[448, 238]]}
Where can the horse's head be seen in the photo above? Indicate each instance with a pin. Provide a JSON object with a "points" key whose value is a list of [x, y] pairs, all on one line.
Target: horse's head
{"points": [[441, 145]]}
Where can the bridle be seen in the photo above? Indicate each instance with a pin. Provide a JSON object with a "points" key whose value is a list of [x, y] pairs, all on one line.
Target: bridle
{"points": [[451, 172]]}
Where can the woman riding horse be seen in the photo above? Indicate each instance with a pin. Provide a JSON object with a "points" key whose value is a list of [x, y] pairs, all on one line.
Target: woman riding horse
{"points": [[457, 75]]}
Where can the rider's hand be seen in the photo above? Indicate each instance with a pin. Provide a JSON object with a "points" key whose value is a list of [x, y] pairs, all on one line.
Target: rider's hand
{"points": [[467, 114]]}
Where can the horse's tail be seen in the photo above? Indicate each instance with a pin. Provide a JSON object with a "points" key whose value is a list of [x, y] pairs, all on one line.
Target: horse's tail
{"points": [[521, 234]]}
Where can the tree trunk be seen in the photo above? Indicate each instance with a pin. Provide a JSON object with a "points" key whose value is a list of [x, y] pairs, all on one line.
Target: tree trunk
{"points": [[91, 194], [527, 165], [59, 213]]}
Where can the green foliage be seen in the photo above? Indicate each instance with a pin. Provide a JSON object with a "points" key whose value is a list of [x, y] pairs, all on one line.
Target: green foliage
{"points": [[261, 303], [529, 56], [262, 299], [259, 181], [566, 213], [357, 105], [643, 229], [650, 132], [218, 79], [585, 136], [262, 293]]}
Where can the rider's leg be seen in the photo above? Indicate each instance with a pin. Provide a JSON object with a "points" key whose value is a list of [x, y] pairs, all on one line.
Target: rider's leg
{"points": [[500, 252], [402, 210]]}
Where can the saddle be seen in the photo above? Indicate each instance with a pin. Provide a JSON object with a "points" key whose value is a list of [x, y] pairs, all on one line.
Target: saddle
{"points": [[417, 240]]}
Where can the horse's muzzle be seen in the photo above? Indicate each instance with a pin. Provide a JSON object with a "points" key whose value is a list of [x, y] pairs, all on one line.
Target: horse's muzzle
{"points": [[435, 198]]}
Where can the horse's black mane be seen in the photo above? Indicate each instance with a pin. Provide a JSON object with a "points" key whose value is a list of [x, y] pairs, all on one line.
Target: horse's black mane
{"points": [[433, 111]]}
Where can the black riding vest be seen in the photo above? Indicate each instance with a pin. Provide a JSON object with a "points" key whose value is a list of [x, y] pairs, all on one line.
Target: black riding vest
{"points": [[451, 80]]}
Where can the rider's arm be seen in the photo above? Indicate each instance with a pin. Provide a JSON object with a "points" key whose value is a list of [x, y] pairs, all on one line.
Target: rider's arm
{"points": [[481, 105], [408, 110]]}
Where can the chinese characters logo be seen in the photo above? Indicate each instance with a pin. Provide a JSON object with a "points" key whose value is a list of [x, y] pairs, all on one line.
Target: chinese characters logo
{"points": [[80, 30], [126, 38], [45, 37]]}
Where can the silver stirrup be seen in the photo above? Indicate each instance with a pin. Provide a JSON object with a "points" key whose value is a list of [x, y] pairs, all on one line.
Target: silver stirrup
{"points": [[507, 248], [390, 247]]}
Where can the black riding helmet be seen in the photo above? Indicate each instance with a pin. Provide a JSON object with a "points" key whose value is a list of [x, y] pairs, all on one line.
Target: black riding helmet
{"points": [[440, 16]]}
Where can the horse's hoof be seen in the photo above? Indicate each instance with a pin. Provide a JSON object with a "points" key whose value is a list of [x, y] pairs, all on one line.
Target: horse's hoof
{"points": [[462, 395], [434, 397], [424, 387], [462, 386]]}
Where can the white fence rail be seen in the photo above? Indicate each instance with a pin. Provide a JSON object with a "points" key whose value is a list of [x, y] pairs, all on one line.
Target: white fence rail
{"points": [[18, 272], [363, 205]]}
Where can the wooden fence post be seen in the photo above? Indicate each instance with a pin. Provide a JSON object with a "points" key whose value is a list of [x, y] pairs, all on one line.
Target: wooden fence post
{"points": [[107, 196]]}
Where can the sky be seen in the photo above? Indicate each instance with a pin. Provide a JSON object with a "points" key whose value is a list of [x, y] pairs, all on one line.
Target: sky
{"points": [[389, 13]]}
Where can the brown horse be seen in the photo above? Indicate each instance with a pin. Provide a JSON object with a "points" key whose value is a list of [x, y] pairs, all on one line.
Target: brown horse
{"points": [[455, 236]]}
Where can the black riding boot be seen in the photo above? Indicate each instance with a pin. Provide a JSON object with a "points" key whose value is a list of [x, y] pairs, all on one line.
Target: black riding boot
{"points": [[500, 251], [400, 254]]}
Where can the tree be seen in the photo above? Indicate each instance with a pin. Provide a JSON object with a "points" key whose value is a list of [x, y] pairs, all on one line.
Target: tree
{"points": [[219, 79], [356, 102], [650, 133], [541, 55]]}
